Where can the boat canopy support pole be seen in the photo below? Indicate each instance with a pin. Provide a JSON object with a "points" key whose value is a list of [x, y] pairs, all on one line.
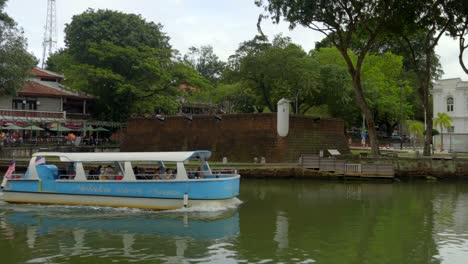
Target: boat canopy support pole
{"points": [[80, 172], [181, 172], [129, 175], [32, 169]]}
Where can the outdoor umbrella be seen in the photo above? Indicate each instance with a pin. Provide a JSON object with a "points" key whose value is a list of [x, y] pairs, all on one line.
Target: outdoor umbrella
{"points": [[32, 128], [60, 129], [100, 129], [12, 127], [86, 129]]}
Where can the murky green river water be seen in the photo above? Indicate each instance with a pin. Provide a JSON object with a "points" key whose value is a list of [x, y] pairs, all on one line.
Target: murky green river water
{"points": [[279, 222]]}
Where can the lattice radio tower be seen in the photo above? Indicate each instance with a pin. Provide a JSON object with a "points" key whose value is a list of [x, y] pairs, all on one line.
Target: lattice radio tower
{"points": [[50, 35]]}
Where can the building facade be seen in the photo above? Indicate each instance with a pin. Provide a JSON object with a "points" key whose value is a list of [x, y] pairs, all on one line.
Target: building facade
{"points": [[451, 96], [44, 99]]}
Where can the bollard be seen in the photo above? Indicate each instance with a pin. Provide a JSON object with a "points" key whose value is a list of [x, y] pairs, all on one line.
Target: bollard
{"points": [[262, 160], [225, 160]]}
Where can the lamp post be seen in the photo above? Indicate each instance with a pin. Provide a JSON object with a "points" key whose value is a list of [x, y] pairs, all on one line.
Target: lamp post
{"points": [[297, 101], [401, 115]]}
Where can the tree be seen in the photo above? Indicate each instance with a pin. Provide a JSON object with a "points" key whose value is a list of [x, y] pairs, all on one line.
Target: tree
{"points": [[342, 21], [130, 71], [416, 129], [206, 62], [421, 34], [458, 10], [443, 120], [381, 79], [275, 70], [15, 62]]}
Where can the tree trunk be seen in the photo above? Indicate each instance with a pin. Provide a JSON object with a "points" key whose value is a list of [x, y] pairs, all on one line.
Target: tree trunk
{"points": [[368, 113], [424, 91]]}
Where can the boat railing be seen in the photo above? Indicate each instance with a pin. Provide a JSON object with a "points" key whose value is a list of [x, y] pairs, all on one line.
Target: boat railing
{"points": [[224, 171], [145, 176], [104, 177], [16, 176], [66, 176]]}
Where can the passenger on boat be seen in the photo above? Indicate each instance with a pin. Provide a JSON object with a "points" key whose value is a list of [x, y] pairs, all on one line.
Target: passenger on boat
{"points": [[169, 174], [157, 174], [71, 170], [108, 173], [199, 173]]}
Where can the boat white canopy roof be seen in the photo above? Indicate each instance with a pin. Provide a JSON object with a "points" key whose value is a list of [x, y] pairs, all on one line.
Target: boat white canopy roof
{"points": [[176, 156]]}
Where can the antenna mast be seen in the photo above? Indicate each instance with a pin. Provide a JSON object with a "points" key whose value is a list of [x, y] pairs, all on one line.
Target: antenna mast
{"points": [[49, 43]]}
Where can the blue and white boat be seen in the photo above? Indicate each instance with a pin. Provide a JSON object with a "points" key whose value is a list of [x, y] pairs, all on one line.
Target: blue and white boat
{"points": [[123, 184]]}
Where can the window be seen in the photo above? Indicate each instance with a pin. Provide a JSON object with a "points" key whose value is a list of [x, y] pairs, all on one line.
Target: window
{"points": [[450, 104], [466, 103], [24, 104]]}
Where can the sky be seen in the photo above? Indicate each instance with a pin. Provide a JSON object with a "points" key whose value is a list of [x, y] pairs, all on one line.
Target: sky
{"points": [[223, 24]]}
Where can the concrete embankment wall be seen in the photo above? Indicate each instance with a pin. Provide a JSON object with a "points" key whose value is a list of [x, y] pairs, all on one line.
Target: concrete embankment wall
{"points": [[239, 137], [405, 169]]}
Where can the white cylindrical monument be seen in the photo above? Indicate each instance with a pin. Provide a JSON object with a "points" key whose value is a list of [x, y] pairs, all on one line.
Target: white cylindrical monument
{"points": [[282, 122]]}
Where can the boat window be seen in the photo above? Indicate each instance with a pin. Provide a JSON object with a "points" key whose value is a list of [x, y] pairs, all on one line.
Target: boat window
{"points": [[105, 172], [153, 172]]}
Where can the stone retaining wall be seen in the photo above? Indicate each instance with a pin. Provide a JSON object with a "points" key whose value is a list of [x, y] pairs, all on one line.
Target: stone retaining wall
{"points": [[239, 137]]}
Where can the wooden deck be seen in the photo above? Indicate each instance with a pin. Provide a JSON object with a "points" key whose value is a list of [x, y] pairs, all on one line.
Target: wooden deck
{"points": [[342, 167]]}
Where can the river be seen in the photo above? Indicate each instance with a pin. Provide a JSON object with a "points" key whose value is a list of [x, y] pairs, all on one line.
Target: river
{"points": [[279, 221]]}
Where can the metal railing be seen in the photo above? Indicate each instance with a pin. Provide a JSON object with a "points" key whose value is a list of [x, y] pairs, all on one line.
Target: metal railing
{"points": [[32, 113]]}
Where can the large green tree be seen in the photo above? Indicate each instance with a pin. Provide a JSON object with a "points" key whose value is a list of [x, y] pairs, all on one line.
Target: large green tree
{"points": [[381, 82], [15, 61], [125, 61], [275, 70], [342, 21], [421, 34], [206, 62]]}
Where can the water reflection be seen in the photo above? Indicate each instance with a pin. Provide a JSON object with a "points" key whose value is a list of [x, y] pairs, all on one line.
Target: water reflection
{"points": [[278, 222], [60, 234]]}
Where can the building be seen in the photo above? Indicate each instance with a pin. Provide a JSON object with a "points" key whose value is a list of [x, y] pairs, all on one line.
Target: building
{"points": [[451, 96], [44, 99]]}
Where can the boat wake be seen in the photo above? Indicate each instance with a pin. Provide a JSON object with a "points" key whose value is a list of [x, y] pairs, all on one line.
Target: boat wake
{"points": [[225, 206]]}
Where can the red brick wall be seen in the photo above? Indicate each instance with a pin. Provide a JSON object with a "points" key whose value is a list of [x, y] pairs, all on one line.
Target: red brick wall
{"points": [[240, 137]]}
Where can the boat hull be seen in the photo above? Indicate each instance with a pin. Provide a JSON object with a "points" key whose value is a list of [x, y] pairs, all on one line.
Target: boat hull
{"points": [[113, 201]]}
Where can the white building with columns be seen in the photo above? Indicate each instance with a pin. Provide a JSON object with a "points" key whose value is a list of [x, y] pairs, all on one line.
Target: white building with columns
{"points": [[451, 96]]}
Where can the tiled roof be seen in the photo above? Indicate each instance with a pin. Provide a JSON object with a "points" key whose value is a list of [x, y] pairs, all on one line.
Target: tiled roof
{"points": [[44, 73], [49, 89]]}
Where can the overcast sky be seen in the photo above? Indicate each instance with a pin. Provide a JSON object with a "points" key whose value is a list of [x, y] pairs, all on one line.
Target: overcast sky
{"points": [[220, 23]]}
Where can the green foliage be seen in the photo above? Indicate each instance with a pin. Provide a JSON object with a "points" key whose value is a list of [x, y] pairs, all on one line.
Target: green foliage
{"points": [[443, 120], [275, 70], [381, 86], [125, 61], [15, 61], [416, 128], [206, 62]]}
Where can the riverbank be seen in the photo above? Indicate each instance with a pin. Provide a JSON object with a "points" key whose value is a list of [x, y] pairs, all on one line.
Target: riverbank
{"points": [[446, 168]]}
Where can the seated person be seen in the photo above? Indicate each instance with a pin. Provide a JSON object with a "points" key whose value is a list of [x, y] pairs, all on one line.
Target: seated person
{"points": [[108, 174], [169, 174], [199, 173]]}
